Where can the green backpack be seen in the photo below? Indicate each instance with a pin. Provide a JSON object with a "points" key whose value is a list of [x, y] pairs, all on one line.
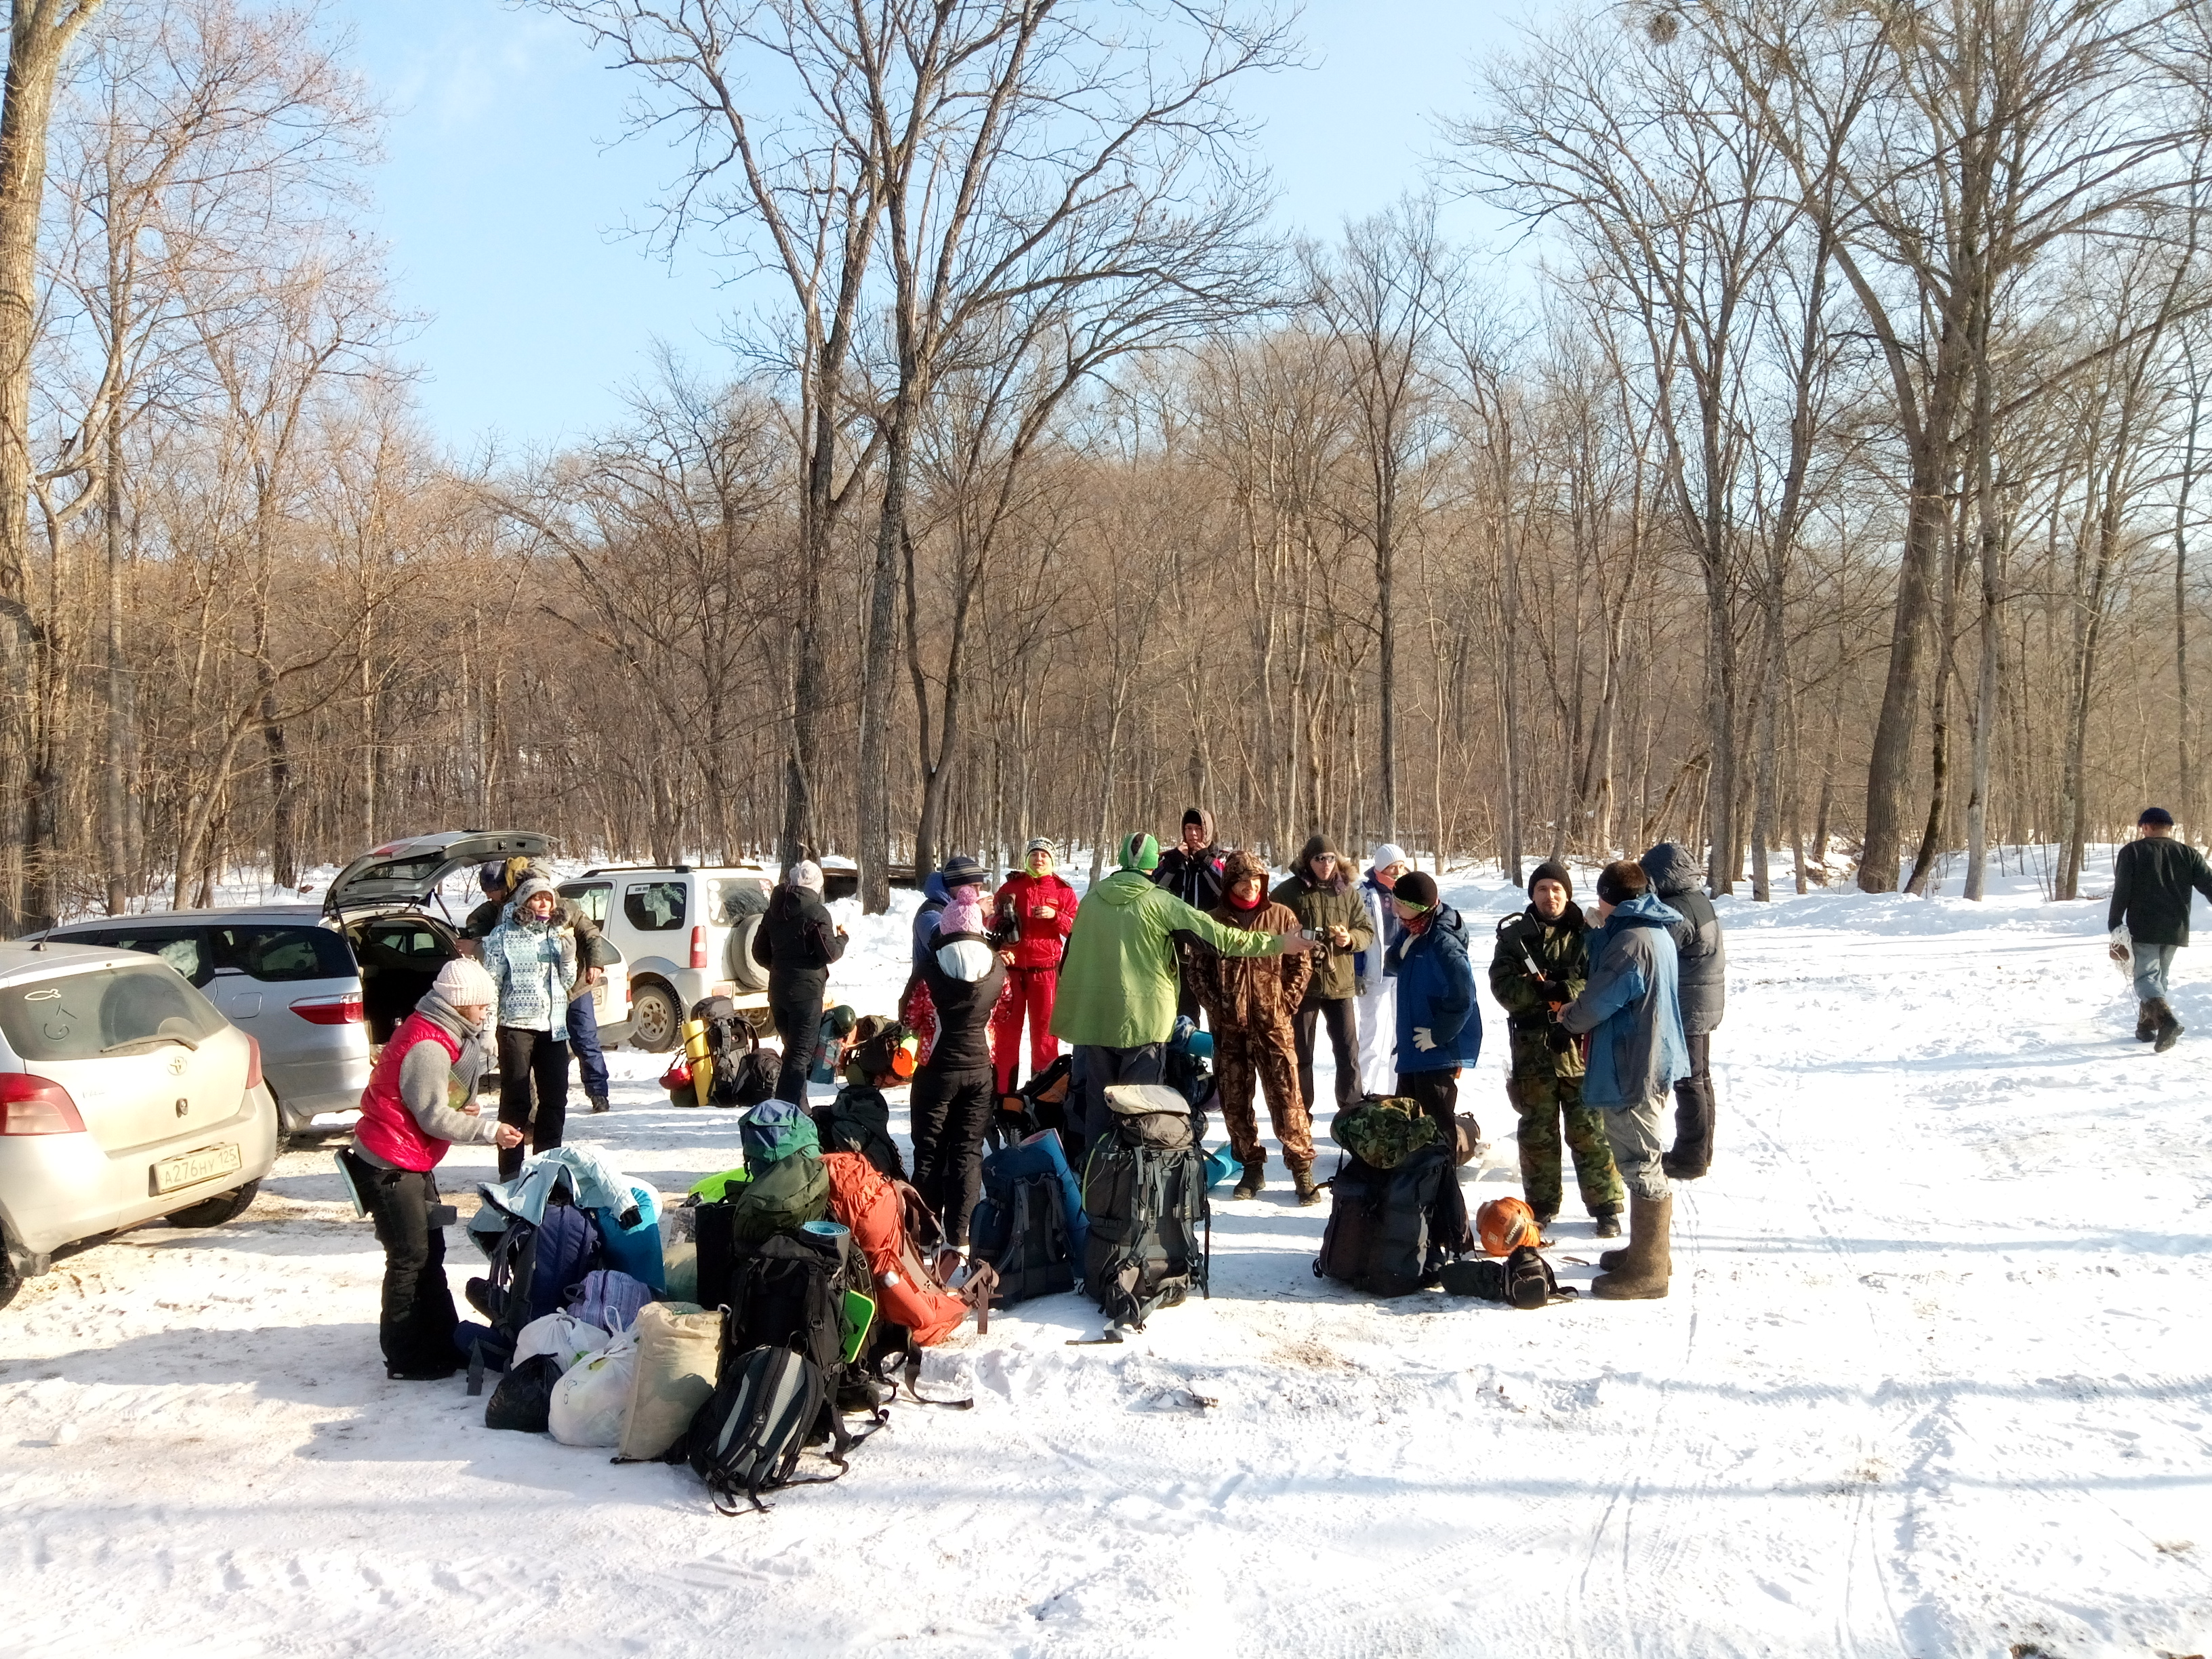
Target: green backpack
{"points": [[789, 1193], [1383, 1131]]}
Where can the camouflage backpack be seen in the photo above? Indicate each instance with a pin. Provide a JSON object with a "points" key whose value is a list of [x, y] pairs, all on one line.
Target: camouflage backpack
{"points": [[1383, 1131]]}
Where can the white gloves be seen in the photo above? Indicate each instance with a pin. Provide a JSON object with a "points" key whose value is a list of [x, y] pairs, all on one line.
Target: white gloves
{"points": [[1422, 1039]]}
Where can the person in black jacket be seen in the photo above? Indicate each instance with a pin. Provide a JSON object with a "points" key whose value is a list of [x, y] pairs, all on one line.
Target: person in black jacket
{"points": [[1676, 878], [796, 943], [950, 1106], [1191, 870], [2154, 877]]}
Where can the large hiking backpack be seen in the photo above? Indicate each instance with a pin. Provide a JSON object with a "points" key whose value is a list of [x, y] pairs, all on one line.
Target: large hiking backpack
{"points": [[1390, 1230], [531, 1269], [876, 1212], [1144, 1196], [1039, 1104], [773, 1130], [1186, 1064], [785, 1196], [734, 1055], [747, 1437], [860, 1120], [1029, 1226]]}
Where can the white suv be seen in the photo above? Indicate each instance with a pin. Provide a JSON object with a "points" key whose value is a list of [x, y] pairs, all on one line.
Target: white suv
{"points": [[685, 934]]}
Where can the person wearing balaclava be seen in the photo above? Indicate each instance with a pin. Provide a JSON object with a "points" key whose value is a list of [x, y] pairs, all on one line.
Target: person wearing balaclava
{"points": [[1119, 979], [420, 1100], [797, 942], [1539, 965]]}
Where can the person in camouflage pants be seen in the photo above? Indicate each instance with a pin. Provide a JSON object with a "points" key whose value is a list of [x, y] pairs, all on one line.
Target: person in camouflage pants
{"points": [[1541, 961]]}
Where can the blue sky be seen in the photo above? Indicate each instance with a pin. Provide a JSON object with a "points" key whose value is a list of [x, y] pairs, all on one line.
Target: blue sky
{"points": [[504, 199]]}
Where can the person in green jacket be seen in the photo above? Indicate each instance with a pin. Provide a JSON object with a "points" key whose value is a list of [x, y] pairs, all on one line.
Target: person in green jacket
{"points": [[1121, 976]]}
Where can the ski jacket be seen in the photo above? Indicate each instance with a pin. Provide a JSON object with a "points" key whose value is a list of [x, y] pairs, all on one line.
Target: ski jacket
{"points": [[964, 985], [1436, 995], [796, 942], [1560, 951], [2154, 879], [935, 896], [1194, 878], [534, 965], [1039, 941], [591, 944], [1319, 907], [1628, 1007], [1118, 981], [410, 1111], [1256, 995], [1372, 965], [1678, 881]]}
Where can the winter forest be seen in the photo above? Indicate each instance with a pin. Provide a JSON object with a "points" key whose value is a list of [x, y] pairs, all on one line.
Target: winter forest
{"points": [[1811, 475]]}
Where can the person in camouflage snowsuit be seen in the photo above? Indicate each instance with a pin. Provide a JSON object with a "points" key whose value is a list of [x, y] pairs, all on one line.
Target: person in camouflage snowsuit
{"points": [[1541, 961]]}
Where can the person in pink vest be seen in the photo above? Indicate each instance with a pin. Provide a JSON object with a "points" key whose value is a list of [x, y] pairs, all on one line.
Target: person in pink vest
{"points": [[420, 1100]]}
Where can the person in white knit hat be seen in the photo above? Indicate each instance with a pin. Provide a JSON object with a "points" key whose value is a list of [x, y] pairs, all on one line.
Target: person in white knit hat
{"points": [[1376, 992], [420, 1098]]}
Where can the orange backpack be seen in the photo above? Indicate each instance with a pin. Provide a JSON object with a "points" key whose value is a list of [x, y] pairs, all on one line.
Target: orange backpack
{"points": [[874, 1209]]}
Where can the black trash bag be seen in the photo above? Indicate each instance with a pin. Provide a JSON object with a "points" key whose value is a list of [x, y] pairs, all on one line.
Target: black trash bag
{"points": [[523, 1398]]}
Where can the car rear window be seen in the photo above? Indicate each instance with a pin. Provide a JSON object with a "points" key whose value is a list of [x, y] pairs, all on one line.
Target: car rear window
{"points": [[281, 954], [185, 949], [653, 907], [593, 895], [83, 1016]]}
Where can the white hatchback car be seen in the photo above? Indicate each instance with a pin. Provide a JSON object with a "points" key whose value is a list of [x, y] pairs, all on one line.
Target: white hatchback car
{"points": [[125, 1097]]}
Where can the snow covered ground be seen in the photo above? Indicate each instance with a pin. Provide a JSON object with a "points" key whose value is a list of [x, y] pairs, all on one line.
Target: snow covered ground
{"points": [[1936, 1379]]}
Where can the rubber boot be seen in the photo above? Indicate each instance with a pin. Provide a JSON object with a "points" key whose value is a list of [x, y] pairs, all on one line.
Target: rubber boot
{"points": [[1254, 1177], [2146, 1021], [1309, 1193], [1643, 1276], [2169, 1028]]}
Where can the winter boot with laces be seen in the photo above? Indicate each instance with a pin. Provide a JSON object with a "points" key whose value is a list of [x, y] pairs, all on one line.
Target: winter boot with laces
{"points": [[1254, 1177], [1641, 1276], [1309, 1191], [2146, 1021], [2169, 1028], [598, 1103]]}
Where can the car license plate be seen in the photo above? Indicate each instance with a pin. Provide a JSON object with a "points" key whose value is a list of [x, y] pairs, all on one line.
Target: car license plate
{"points": [[193, 1168]]}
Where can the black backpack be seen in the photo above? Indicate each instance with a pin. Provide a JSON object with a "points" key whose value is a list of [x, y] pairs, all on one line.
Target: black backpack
{"points": [[743, 1075], [530, 1269], [1523, 1279], [860, 1120], [1389, 1230], [1041, 1103], [1143, 1191], [789, 1292], [1020, 1227], [747, 1437]]}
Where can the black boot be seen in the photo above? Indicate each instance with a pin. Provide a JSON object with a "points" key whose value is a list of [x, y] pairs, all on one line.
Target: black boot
{"points": [[2169, 1028], [2146, 1021], [1608, 1222], [1254, 1177], [599, 1103]]}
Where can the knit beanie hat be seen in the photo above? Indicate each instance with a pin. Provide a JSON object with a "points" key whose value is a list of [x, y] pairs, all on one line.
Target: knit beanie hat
{"points": [[1622, 880], [1195, 814], [806, 874], [2156, 815], [962, 912], [961, 870], [1141, 852], [1551, 870], [531, 888], [1385, 855], [1416, 887], [464, 983]]}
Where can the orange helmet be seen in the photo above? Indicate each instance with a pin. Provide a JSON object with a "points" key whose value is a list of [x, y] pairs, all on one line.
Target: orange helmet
{"points": [[1505, 1223]]}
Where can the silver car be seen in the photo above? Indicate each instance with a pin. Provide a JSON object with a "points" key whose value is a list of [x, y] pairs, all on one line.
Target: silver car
{"points": [[125, 1097]]}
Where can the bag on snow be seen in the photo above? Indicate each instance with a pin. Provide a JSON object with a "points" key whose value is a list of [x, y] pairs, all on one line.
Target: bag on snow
{"points": [[523, 1399], [775, 1130], [786, 1195], [562, 1336], [1383, 1131], [1021, 1226], [860, 1120], [746, 1439], [732, 1058], [631, 1239], [588, 1402], [1144, 1197], [1040, 1105], [1523, 1279], [876, 1212], [609, 1299], [532, 1270], [678, 1355], [1389, 1230]]}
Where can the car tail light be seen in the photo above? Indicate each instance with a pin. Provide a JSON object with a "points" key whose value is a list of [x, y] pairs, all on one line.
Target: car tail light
{"points": [[35, 1106], [252, 1060], [329, 1010], [699, 946]]}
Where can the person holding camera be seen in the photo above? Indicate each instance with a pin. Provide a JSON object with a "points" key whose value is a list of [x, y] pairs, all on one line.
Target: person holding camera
{"points": [[1035, 910], [1541, 963], [1320, 892]]}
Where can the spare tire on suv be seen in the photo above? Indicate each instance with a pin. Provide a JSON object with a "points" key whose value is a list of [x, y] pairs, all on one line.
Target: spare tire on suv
{"points": [[745, 906]]}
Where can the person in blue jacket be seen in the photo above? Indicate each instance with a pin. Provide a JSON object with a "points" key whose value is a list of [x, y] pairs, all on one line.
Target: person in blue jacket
{"points": [[1630, 1010], [1439, 1027]]}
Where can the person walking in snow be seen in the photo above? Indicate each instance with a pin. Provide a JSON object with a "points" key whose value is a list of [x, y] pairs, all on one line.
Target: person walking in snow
{"points": [[1439, 1027], [1320, 892], [499, 880], [1120, 980], [1540, 962], [2155, 878], [420, 1100], [1636, 1056], [532, 958], [951, 1102], [1037, 909], [1703, 958], [1191, 870], [797, 943], [1251, 1006], [1375, 989]]}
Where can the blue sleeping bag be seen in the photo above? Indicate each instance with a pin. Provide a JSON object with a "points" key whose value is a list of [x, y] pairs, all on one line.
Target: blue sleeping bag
{"points": [[635, 1249]]}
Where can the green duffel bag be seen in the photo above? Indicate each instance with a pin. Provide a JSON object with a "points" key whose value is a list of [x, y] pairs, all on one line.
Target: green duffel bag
{"points": [[789, 1193]]}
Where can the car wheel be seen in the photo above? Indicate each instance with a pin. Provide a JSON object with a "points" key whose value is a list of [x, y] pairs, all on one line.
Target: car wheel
{"points": [[655, 1021], [745, 973], [214, 1212]]}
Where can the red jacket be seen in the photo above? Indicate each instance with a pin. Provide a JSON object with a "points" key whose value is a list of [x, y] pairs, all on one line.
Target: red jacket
{"points": [[386, 1127], [1041, 940]]}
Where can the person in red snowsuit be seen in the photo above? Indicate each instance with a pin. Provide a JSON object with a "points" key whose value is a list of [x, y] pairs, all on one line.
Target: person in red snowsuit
{"points": [[1036, 907]]}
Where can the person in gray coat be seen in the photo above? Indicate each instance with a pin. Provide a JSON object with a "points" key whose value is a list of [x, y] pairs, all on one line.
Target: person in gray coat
{"points": [[1676, 878]]}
